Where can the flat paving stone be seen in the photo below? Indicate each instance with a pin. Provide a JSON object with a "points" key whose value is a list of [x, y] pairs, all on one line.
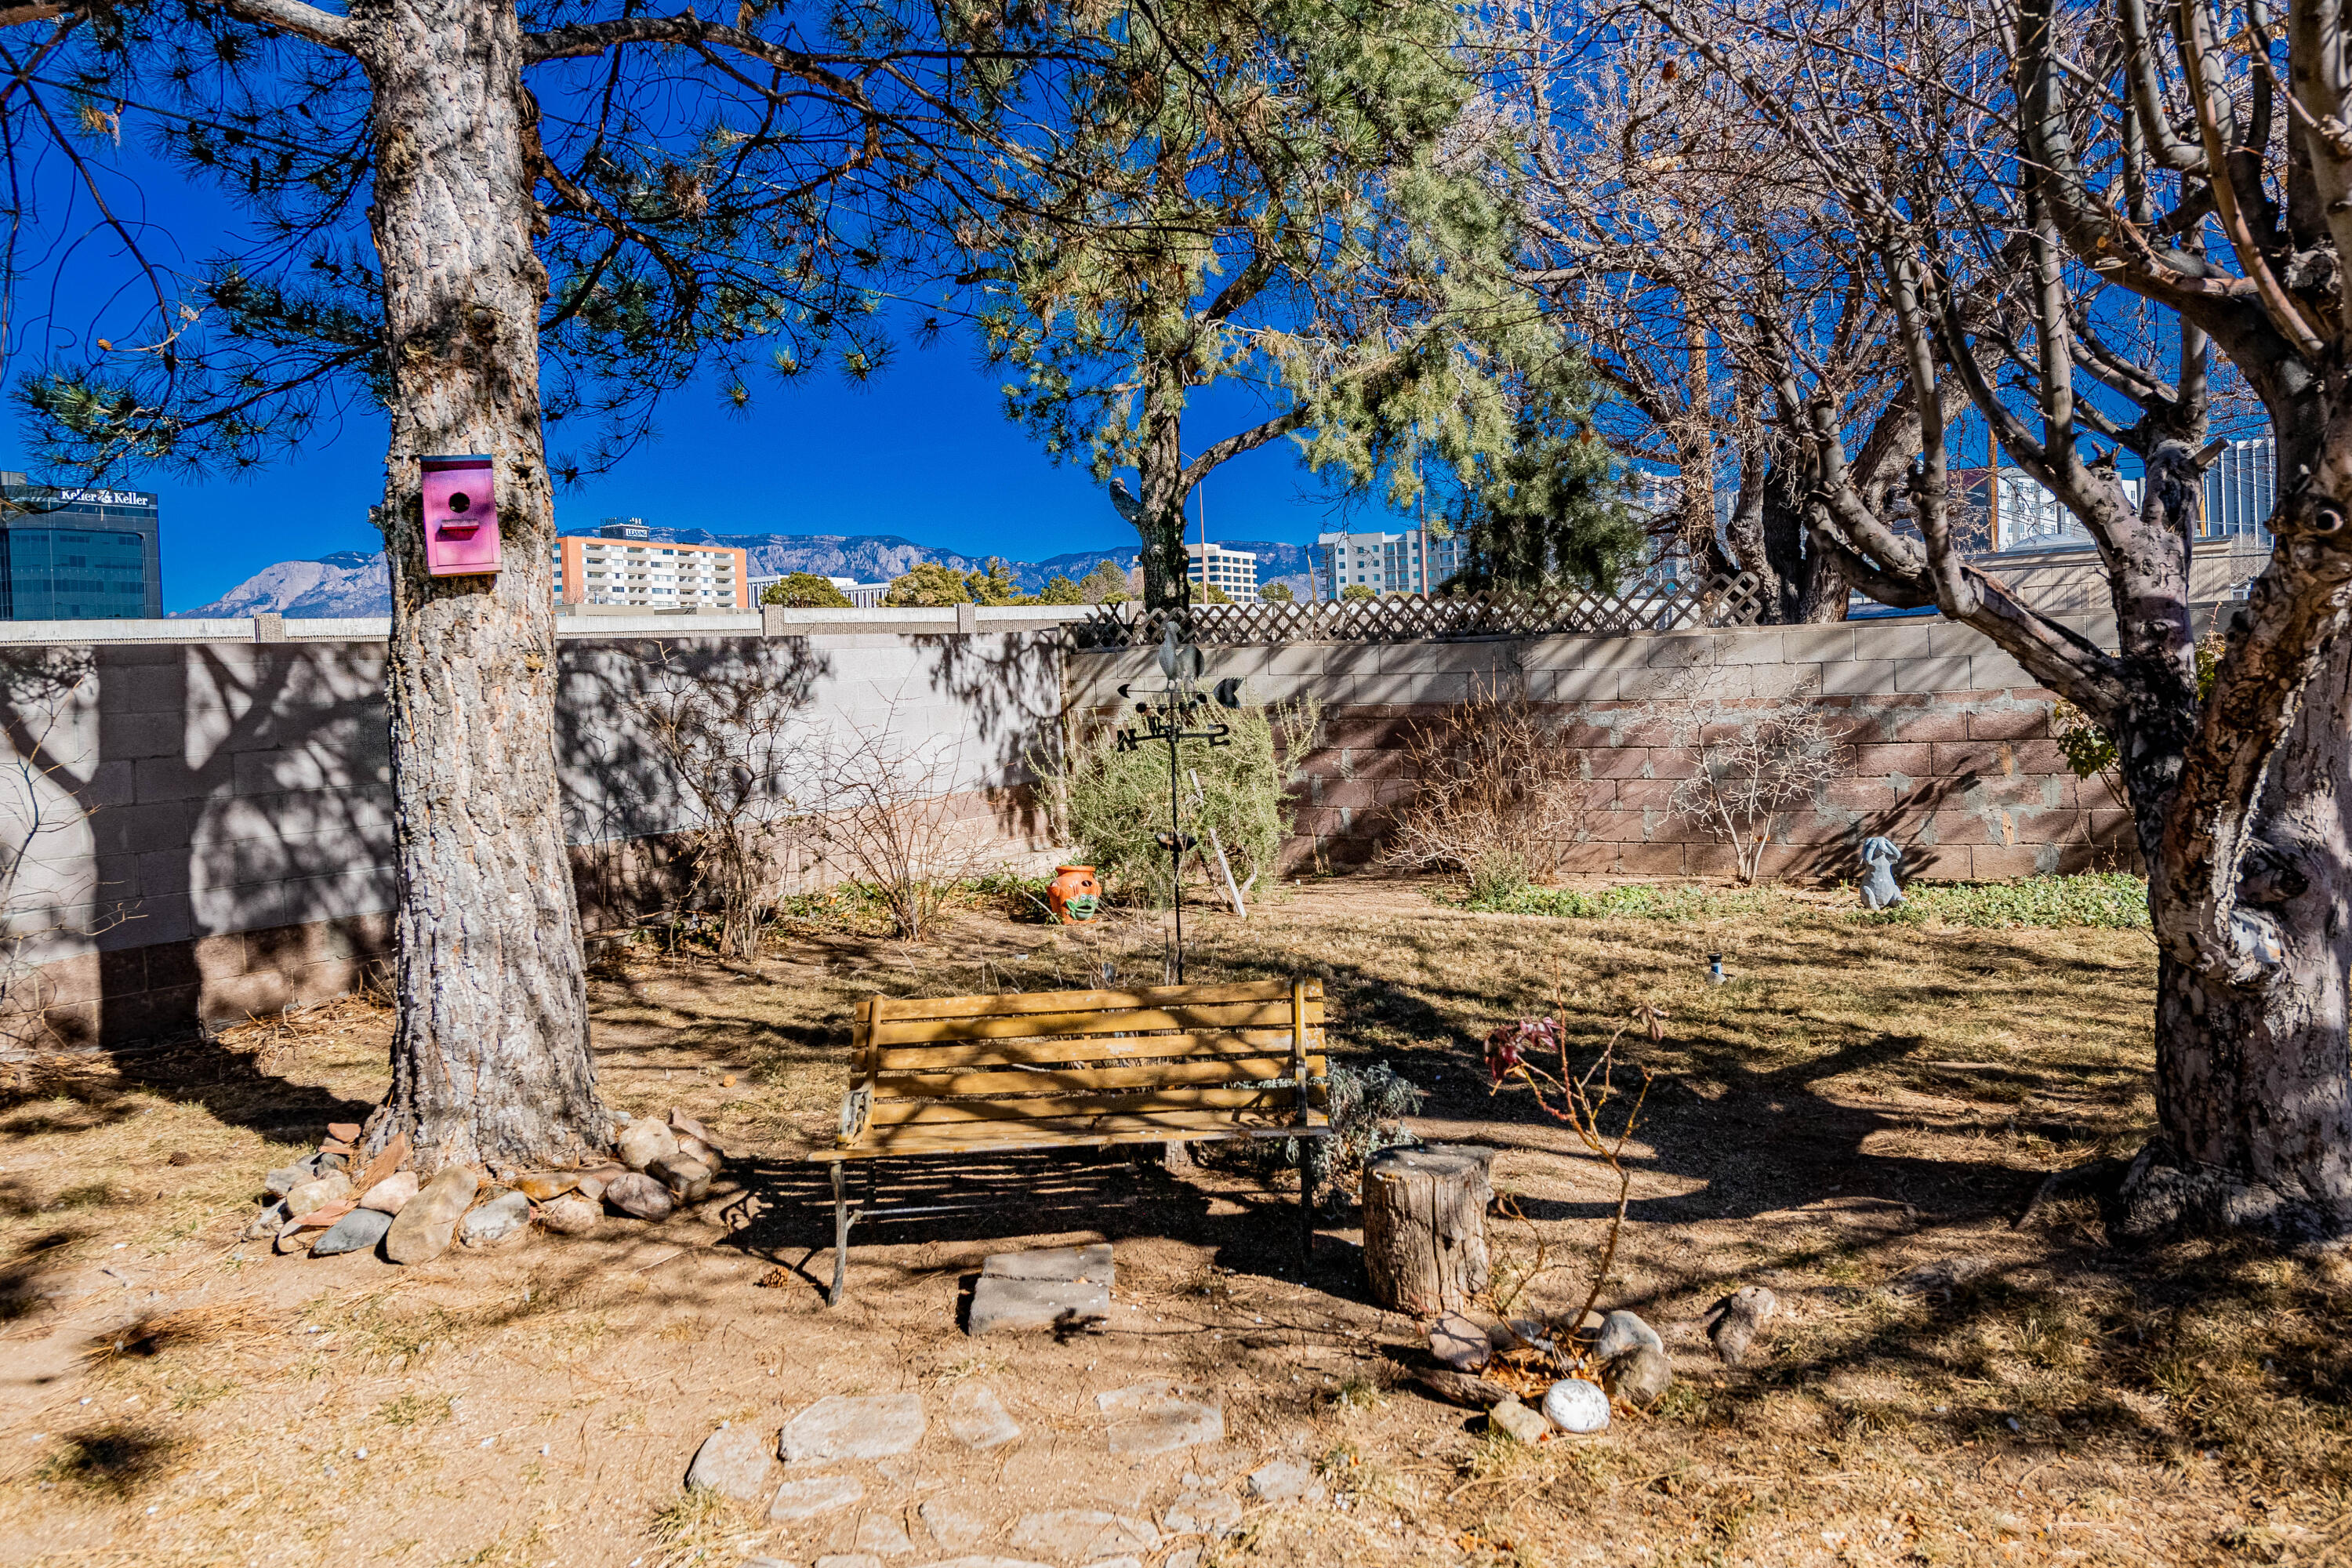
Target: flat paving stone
{"points": [[849, 1560], [853, 1426], [955, 1528], [807, 1498], [1204, 1513], [1083, 1534], [984, 1562], [1156, 1417], [1284, 1480], [1001, 1304], [1090, 1264], [977, 1419], [883, 1536], [734, 1460]]}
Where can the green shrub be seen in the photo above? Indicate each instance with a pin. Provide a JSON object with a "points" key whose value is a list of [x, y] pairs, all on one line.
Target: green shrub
{"points": [[1117, 802], [2115, 901], [1635, 900], [1496, 878]]}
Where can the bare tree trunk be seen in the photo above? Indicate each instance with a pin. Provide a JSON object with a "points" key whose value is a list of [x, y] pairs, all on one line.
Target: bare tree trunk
{"points": [[2253, 1087], [490, 1061]]}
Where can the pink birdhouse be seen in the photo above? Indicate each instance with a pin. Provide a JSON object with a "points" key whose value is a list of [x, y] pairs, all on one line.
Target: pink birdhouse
{"points": [[461, 516]]}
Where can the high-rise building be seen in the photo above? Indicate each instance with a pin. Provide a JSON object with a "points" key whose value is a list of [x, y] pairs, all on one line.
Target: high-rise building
{"points": [[1408, 562], [623, 564], [77, 553], [2240, 489], [1234, 571]]}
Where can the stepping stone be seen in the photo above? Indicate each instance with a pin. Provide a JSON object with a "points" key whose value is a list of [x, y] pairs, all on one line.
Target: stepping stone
{"points": [[1204, 1513], [953, 1528], [1283, 1481], [843, 1427], [882, 1535], [1090, 1264], [1003, 1305], [1083, 1534], [1155, 1417], [733, 1461], [984, 1561], [976, 1418], [796, 1500], [845, 1559]]}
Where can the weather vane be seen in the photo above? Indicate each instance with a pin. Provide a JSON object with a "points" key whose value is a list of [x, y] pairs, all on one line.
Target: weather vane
{"points": [[1166, 714]]}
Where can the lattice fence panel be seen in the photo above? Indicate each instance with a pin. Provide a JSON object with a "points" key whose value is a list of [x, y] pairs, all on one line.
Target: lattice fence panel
{"points": [[1649, 605]]}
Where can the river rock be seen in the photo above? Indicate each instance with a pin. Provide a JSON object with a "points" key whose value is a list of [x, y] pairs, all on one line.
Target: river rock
{"points": [[733, 1461], [268, 1222], [590, 1185], [570, 1214], [1458, 1343], [502, 1215], [695, 1149], [293, 1238], [1639, 1377], [355, 1232], [639, 1196], [686, 1126], [421, 1232], [1514, 1419], [687, 1179], [643, 1142], [318, 1192], [1622, 1332], [539, 1186], [1518, 1333], [392, 1193], [1573, 1405]]}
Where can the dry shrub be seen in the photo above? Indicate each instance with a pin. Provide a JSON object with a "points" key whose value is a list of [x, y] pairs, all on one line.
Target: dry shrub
{"points": [[1496, 797], [890, 817], [733, 740], [1771, 762]]}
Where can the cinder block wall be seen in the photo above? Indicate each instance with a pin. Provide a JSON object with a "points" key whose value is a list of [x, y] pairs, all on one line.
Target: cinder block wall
{"points": [[1950, 744], [211, 825]]}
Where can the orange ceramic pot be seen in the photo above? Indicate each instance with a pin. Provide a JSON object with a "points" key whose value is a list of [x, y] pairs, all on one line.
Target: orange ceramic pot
{"points": [[1073, 894]]}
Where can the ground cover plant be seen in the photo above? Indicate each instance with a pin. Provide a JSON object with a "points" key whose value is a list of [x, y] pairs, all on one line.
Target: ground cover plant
{"points": [[1855, 1120], [2114, 899]]}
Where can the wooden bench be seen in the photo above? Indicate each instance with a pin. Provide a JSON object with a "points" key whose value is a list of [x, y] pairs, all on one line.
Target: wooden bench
{"points": [[1055, 1069]]}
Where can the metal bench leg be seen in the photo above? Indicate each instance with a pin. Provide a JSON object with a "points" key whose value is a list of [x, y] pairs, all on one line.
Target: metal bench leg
{"points": [[840, 1235], [1305, 1212]]}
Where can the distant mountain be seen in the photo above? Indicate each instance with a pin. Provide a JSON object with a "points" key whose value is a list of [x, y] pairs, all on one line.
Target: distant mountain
{"points": [[350, 583], [347, 583]]}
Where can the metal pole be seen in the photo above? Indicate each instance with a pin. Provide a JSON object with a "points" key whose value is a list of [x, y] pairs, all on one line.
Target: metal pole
{"points": [[1176, 841]]}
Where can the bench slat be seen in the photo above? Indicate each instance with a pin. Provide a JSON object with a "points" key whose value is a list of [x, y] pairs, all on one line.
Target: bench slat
{"points": [[897, 1008], [1269, 1102], [1168, 1127], [949, 1055], [1220, 1016], [1224, 1069]]}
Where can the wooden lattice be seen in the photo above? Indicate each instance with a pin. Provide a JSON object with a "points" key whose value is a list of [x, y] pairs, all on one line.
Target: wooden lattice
{"points": [[1648, 605]]}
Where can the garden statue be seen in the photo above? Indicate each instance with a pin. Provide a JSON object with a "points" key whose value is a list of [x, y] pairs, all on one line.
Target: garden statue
{"points": [[1880, 856], [1073, 895]]}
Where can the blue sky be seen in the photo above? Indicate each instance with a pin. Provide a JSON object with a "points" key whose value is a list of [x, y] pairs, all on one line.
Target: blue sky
{"points": [[923, 451]]}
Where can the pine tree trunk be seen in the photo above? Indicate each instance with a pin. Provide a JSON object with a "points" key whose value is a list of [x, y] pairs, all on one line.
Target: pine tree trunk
{"points": [[491, 1062], [1160, 521], [2253, 1087]]}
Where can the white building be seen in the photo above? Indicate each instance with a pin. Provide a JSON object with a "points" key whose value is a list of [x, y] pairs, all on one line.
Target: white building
{"points": [[2240, 489], [622, 565], [1409, 563], [1234, 571]]}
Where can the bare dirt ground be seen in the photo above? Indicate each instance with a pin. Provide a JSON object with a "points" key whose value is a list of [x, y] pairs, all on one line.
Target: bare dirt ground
{"points": [[1855, 1102]]}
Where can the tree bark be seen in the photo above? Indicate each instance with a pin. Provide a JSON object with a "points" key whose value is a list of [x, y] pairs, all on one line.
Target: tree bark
{"points": [[1425, 1227], [2254, 1085], [489, 1056], [1160, 470]]}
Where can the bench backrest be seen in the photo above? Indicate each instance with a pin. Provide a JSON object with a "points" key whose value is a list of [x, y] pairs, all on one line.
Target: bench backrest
{"points": [[1191, 1060]]}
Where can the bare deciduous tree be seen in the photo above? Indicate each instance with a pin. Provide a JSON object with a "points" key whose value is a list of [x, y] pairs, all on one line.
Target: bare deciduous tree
{"points": [[892, 812], [1496, 795], [1770, 763]]}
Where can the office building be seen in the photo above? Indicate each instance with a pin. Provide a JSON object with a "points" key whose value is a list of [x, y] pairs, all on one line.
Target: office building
{"points": [[1414, 562], [2240, 489], [78, 554], [1234, 571], [861, 595], [623, 565]]}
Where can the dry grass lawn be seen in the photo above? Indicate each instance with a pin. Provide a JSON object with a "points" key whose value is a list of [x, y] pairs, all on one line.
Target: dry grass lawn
{"points": [[1856, 1101]]}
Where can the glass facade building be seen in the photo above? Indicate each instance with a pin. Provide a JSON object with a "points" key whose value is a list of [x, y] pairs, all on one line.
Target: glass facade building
{"points": [[75, 553]]}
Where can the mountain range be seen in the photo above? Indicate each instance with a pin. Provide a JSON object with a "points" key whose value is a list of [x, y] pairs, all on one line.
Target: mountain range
{"points": [[356, 582]]}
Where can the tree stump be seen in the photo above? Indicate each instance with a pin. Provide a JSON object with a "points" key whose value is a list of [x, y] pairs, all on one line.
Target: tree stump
{"points": [[1425, 1227]]}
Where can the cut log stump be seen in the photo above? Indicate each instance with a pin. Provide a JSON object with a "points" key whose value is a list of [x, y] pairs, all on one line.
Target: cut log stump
{"points": [[1425, 1227]]}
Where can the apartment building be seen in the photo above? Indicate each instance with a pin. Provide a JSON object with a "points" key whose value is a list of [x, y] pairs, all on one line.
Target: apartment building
{"points": [[1412, 561], [622, 564], [1234, 570]]}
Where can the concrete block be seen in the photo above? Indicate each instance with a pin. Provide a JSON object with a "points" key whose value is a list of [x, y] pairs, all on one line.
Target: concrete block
{"points": [[131, 736], [1761, 645], [1017, 1306], [1684, 683], [1933, 725], [1950, 673], [1674, 650], [1465, 657], [1995, 671], [1946, 638], [1891, 639], [1615, 653], [1585, 685], [1991, 862], [1412, 689], [1777, 682], [1858, 677], [1650, 860], [1817, 645]]}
